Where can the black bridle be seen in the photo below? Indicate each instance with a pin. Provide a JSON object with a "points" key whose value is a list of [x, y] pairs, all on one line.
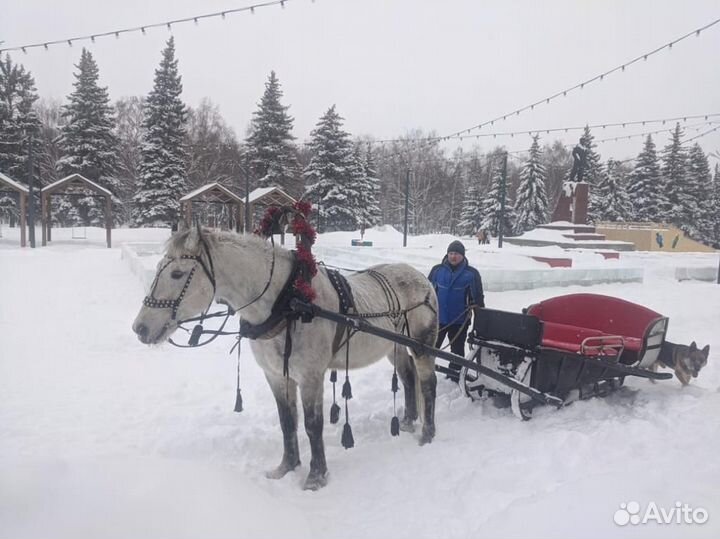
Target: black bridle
{"points": [[152, 302]]}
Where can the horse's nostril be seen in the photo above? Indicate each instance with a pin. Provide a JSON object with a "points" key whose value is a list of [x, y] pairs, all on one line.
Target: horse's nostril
{"points": [[141, 330]]}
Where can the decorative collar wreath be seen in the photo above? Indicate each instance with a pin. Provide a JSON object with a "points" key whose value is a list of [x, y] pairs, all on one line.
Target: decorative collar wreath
{"points": [[296, 216]]}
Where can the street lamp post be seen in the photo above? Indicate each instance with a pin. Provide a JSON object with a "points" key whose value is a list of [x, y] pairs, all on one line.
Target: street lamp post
{"points": [[502, 201], [407, 204], [247, 201], [31, 192]]}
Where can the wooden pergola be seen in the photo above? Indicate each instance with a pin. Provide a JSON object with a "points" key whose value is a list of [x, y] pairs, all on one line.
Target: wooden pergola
{"points": [[263, 197], [8, 185], [74, 185], [213, 194]]}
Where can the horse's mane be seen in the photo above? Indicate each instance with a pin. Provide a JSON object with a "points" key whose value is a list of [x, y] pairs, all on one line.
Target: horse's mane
{"points": [[175, 246]]}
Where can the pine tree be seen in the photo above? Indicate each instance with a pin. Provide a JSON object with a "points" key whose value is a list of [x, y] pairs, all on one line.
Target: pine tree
{"points": [[471, 215], [646, 188], [331, 177], [87, 141], [369, 211], [18, 120], [715, 209], [272, 154], [492, 202], [593, 165], [531, 204], [674, 173], [700, 224], [613, 200], [593, 174], [162, 170]]}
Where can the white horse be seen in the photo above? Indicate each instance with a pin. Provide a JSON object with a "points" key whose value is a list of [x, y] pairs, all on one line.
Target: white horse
{"points": [[247, 273]]}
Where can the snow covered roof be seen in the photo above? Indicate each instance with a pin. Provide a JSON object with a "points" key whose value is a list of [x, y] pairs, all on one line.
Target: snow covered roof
{"points": [[17, 186], [75, 179], [213, 190], [270, 195]]}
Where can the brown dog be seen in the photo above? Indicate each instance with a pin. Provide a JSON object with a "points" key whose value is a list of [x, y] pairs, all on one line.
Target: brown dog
{"points": [[686, 361]]}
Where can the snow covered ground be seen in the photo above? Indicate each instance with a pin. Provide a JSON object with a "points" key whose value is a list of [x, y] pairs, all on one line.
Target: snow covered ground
{"points": [[101, 436]]}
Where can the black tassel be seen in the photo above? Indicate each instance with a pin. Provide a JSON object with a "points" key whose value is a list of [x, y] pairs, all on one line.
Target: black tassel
{"points": [[333, 376], [347, 439], [394, 383], [195, 335], [395, 426], [334, 413], [347, 389], [238, 402]]}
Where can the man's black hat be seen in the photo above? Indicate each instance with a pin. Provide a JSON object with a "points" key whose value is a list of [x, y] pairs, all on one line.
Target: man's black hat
{"points": [[457, 247]]}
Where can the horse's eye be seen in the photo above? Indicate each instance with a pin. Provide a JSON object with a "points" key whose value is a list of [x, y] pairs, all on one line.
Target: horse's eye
{"points": [[176, 274]]}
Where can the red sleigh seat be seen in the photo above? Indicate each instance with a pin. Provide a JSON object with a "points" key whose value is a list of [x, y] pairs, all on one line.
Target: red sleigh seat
{"points": [[604, 324]]}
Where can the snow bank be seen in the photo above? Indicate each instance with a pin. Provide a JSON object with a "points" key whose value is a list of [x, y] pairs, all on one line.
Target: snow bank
{"points": [[707, 273]]}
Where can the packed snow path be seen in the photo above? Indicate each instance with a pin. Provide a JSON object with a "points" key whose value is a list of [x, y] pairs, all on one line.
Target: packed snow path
{"points": [[101, 436]]}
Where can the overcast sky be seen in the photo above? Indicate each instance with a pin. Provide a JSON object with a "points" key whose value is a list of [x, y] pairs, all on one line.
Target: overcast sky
{"points": [[395, 65]]}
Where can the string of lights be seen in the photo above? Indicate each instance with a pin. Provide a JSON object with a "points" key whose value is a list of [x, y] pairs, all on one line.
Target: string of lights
{"points": [[701, 135], [144, 28], [549, 130], [563, 93], [596, 78], [695, 127], [518, 154]]}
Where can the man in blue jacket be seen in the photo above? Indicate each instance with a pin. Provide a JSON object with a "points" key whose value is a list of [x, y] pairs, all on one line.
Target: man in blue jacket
{"points": [[459, 290]]}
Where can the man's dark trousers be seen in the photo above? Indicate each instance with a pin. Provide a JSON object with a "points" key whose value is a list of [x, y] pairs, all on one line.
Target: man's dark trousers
{"points": [[457, 334]]}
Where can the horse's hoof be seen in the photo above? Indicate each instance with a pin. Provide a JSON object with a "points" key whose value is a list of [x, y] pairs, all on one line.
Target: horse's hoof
{"points": [[407, 425], [280, 471], [427, 437], [315, 481]]}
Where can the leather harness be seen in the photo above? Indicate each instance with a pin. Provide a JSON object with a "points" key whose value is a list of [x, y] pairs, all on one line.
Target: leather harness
{"points": [[281, 316]]}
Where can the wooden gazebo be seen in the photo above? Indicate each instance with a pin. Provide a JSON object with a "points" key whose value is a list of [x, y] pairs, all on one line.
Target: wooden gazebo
{"points": [[8, 185], [268, 196], [214, 194], [74, 185]]}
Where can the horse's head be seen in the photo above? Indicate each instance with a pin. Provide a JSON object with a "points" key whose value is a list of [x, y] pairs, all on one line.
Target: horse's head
{"points": [[184, 287]]}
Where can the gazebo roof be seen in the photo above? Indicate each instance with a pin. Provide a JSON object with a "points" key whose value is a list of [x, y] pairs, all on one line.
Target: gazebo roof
{"points": [[270, 196], [75, 180], [12, 184], [213, 192]]}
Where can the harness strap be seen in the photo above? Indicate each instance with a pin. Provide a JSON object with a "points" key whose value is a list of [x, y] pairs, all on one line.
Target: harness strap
{"points": [[279, 313], [347, 303]]}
